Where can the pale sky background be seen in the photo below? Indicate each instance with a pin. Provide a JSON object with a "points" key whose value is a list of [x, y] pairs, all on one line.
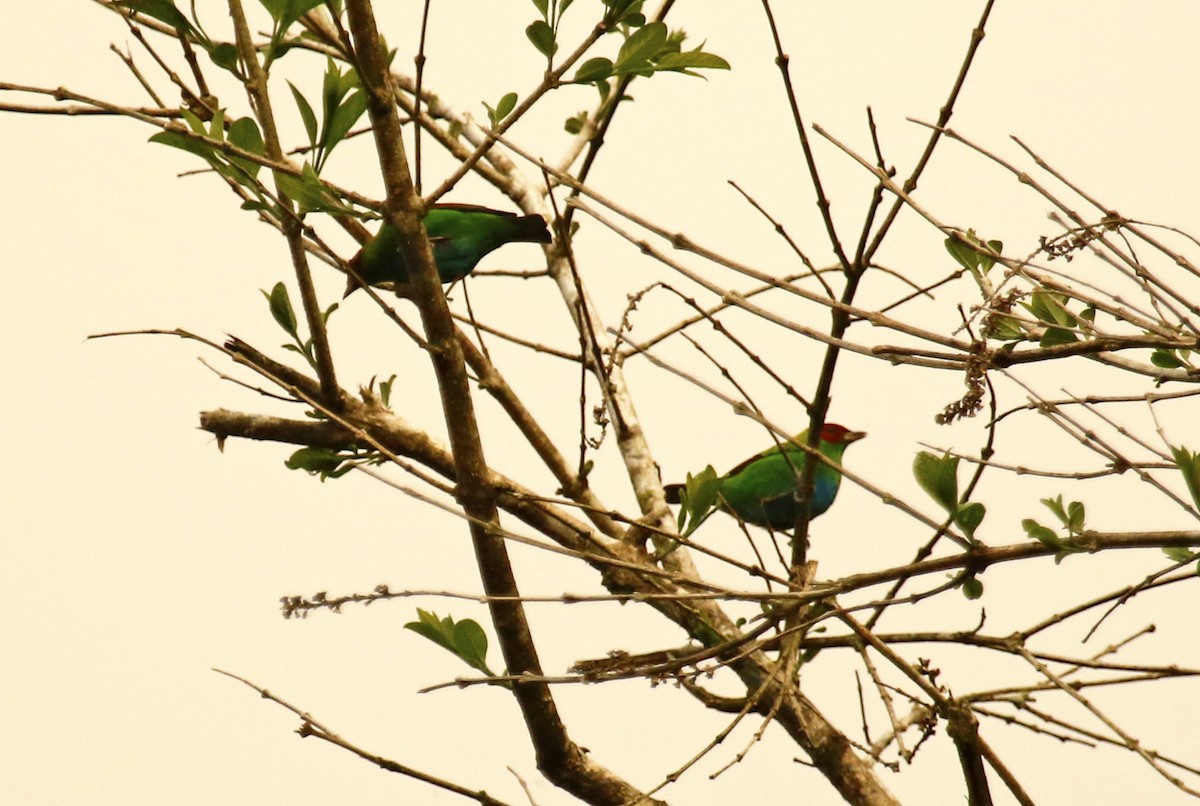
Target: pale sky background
{"points": [[136, 557]]}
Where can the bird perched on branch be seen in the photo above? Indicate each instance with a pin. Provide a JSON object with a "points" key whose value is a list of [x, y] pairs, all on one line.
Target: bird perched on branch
{"points": [[461, 234], [764, 489]]}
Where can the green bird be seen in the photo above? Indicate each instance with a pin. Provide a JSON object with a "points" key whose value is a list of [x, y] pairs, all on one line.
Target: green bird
{"points": [[763, 490], [461, 234]]}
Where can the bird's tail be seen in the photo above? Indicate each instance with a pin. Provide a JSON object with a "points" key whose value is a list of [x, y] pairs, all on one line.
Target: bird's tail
{"points": [[352, 284], [531, 228], [673, 492]]}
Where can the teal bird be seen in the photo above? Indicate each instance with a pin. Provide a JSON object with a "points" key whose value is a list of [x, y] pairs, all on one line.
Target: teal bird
{"points": [[461, 235], [763, 489]]}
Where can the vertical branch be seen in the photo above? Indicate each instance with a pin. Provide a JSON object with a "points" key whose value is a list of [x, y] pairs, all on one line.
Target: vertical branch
{"points": [[256, 86], [910, 184], [558, 757], [419, 62], [781, 60]]}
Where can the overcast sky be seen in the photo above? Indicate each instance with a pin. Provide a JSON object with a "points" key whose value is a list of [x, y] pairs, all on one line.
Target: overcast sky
{"points": [[136, 557]]}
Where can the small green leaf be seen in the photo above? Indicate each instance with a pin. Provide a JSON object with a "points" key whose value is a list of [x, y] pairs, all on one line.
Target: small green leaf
{"points": [[1051, 308], [962, 253], [644, 44], [310, 193], [435, 629], [471, 643], [938, 476], [281, 308], [502, 109], [1165, 358], [193, 121], [969, 516], [244, 134], [344, 118], [506, 105], [385, 390], [1189, 465], [1042, 534], [691, 60], [574, 125], [697, 499], [972, 588], [1179, 554], [1057, 335], [596, 69], [465, 639], [225, 56], [1075, 517], [1006, 329], [275, 8], [321, 462], [542, 37], [295, 9], [306, 114], [185, 143], [161, 10], [965, 249], [542, 8]]}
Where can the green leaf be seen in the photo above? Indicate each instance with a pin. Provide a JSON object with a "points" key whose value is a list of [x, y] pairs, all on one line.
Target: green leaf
{"points": [[185, 143], [465, 639], [542, 37], [689, 60], [575, 125], [193, 121], [295, 9], [962, 252], [972, 588], [1055, 505], [1006, 329], [308, 191], [275, 8], [1051, 308], [1075, 517], [698, 499], [619, 9], [216, 126], [244, 134], [964, 248], [329, 312], [440, 631], [1165, 358], [225, 56], [385, 390], [321, 462], [471, 644], [596, 69], [644, 44], [161, 10], [938, 476], [306, 114], [1042, 534], [1057, 335], [281, 308], [502, 109], [541, 6], [1189, 465], [969, 516], [506, 106], [1179, 554], [344, 118]]}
